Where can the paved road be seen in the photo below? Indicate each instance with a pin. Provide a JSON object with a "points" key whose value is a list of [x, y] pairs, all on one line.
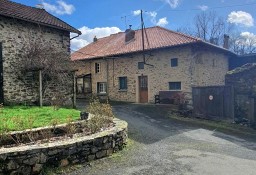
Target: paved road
{"points": [[159, 146]]}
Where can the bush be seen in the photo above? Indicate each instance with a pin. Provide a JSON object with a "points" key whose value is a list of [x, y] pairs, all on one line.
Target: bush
{"points": [[103, 115]]}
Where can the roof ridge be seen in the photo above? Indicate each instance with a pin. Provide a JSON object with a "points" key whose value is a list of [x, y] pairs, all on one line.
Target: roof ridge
{"points": [[179, 33], [24, 5]]}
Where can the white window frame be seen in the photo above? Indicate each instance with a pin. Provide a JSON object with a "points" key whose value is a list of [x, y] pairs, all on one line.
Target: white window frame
{"points": [[102, 87]]}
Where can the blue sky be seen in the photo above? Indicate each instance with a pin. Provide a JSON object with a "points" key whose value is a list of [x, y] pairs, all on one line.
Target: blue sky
{"points": [[103, 17]]}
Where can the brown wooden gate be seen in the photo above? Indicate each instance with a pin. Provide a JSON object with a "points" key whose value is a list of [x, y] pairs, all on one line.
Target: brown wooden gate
{"points": [[143, 89], [214, 102], [1, 76]]}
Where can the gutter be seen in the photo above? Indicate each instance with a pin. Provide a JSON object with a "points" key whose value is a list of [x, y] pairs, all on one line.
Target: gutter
{"points": [[75, 36]]}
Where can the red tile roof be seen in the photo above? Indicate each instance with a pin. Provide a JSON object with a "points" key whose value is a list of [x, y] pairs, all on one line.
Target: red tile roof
{"points": [[114, 44], [34, 15]]}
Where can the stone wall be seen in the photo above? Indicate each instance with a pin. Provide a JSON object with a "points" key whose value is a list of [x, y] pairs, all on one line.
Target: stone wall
{"points": [[14, 34], [33, 158], [202, 67]]}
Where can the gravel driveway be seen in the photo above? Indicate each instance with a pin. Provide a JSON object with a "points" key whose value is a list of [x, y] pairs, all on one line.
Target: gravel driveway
{"points": [[159, 145]]}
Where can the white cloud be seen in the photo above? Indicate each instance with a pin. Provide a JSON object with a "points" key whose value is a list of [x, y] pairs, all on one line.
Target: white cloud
{"points": [[241, 18], [136, 12], [246, 39], [88, 35], [173, 3], [203, 7], [152, 15], [248, 36], [61, 8], [162, 22]]}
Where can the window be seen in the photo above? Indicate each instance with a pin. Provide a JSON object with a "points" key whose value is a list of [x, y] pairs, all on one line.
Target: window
{"points": [[174, 62], [122, 83], [140, 65], [174, 85], [102, 88], [97, 67]]}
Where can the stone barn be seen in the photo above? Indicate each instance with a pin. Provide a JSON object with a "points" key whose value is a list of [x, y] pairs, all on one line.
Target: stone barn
{"points": [[243, 80], [20, 24]]}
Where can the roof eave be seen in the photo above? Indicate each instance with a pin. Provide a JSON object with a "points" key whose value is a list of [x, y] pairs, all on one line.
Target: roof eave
{"points": [[44, 24]]}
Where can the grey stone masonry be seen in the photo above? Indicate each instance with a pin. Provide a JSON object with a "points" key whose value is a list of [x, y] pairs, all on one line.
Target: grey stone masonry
{"points": [[14, 34], [32, 159]]}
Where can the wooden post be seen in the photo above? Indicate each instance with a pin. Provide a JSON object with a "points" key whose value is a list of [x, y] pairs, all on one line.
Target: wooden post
{"points": [[40, 89], [74, 90], [251, 111]]}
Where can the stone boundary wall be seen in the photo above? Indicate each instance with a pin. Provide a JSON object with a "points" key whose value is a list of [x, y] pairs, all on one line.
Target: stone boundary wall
{"points": [[31, 159]]}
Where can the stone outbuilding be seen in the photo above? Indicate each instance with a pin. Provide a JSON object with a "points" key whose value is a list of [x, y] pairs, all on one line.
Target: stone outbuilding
{"points": [[243, 80], [117, 66], [18, 25]]}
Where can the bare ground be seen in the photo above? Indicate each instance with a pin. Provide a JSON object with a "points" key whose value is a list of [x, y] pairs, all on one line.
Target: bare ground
{"points": [[160, 145]]}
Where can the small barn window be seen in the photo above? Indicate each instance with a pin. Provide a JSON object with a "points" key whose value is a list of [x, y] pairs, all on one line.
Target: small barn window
{"points": [[122, 83], [174, 85], [174, 62]]}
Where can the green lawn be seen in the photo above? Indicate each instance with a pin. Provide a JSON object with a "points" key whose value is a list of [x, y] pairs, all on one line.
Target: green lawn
{"points": [[24, 117]]}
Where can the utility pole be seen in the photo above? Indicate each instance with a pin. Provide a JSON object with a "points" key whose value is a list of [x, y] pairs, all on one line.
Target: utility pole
{"points": [[142, 36]]}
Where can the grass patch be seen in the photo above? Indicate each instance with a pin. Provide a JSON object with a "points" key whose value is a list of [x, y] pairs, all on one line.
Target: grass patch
{"points": [[26, 117]]}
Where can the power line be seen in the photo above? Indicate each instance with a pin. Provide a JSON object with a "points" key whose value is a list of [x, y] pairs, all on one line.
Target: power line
{"points": [[217, 7]]}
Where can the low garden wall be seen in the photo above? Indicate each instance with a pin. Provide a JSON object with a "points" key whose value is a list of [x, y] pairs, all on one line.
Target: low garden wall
{"points": [[31, 159]]}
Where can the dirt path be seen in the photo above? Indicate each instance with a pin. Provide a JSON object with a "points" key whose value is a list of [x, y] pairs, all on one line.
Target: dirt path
{"points": [[159, 145]]}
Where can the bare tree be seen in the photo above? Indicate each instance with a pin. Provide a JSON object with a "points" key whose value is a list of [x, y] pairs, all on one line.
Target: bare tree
{"points": [[211, 27], [243, 43], [54, 63]]}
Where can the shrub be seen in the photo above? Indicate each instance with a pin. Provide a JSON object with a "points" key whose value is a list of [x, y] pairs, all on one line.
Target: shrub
{"points": [[103, 115]]}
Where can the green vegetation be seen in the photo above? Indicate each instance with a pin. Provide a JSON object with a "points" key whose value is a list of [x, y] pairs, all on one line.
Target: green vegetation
{"points": [[103, 115], [15, 118]]}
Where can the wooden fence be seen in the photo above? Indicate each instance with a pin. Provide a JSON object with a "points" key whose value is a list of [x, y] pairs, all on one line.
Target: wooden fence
{"points": [[214, 102]]}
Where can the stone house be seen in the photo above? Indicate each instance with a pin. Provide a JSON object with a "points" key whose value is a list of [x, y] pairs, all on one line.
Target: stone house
{"points": [[18, 25], [118, 67], [243, 80]]}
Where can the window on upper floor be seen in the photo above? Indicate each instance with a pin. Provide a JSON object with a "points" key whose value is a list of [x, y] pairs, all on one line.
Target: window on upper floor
{"points": [[174, 85], [122, 83], [97, 67], [140, 65], [174, 62]]}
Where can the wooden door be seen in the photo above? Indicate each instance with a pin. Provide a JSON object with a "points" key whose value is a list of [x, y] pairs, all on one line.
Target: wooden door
{"points": [[143, 89], [1, 76]]}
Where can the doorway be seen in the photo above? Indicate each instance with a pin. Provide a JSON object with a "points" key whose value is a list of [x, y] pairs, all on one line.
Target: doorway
{"points": [[143, 89]]}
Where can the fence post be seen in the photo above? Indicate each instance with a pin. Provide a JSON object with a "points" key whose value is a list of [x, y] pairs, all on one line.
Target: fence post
{"points": [[40, 89], [232, 103]]}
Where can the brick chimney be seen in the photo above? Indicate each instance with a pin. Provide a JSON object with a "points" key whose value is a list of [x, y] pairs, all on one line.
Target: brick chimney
{"points": [[226, 41], [129, 34], [95, 39]]}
